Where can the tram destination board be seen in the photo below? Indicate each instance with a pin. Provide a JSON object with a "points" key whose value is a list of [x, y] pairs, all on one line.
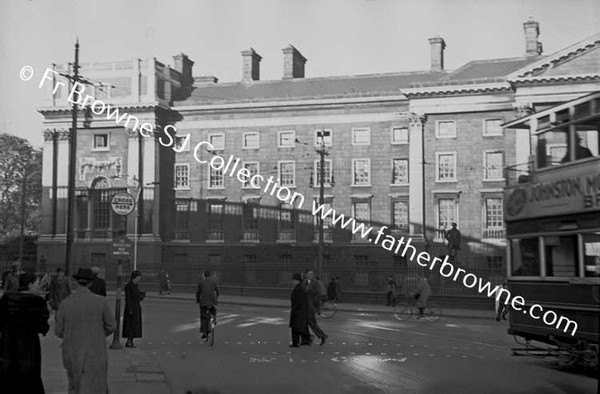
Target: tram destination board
{"points": [[121, 247]]}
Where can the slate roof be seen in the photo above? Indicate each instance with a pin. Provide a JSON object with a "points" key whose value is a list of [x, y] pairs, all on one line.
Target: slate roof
{"points": [[307, 88], [373, 85]]}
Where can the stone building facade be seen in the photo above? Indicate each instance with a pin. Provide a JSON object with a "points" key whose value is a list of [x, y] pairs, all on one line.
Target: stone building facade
{"points": [[410, 151]]}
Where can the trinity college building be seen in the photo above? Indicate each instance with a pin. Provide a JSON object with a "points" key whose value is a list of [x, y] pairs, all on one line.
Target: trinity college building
{"points": [[412, 151]]}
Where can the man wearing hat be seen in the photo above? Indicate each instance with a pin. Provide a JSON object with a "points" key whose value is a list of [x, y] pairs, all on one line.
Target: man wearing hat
{"points": [[83, 321], [453, 238], [299, 313], [207, 294]]}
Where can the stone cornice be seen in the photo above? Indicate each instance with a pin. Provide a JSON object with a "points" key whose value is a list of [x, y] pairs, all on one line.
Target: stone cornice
{"points": [[446, 90]]}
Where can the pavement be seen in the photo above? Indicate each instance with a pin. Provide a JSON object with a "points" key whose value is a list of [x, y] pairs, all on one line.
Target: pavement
{"points": [[132, 371], [129, 370]]}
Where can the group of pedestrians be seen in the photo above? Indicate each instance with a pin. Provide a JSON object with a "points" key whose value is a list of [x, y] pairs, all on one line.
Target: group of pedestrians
{"points": [[306, 298], [83, 320]]}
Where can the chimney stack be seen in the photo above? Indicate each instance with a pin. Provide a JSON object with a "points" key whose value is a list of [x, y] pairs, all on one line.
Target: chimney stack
{"points": [[183, 64], [532, 31], [251, 67], [293, 63], [437, 53]]}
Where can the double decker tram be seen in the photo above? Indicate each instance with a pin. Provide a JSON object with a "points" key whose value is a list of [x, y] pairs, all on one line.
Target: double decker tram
{"points": [[552, 215]]}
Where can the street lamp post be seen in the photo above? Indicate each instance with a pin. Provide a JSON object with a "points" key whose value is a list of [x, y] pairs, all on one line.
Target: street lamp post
{"points": [[322, 153]]}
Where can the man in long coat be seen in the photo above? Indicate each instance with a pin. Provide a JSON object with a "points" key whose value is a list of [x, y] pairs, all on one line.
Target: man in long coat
{"points": [[83, 321], [132, 317], [99, 284], [299, 313], [314, 298]]}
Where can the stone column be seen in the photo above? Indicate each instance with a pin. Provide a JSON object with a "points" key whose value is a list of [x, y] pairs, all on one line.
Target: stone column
{"points": [[416, 158]]}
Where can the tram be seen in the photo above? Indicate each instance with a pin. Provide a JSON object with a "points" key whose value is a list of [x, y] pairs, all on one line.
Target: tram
{"points": [[552, 215]]}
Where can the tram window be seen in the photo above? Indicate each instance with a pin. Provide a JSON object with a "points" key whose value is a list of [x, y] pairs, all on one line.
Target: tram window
{"points": [[561, 256], [525, 257], [587, 142], [551, 147], [591, 254]]}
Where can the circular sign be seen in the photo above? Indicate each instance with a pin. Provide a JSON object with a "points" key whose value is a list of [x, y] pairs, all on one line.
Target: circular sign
{"points": [[516, 202], [122, 203]]}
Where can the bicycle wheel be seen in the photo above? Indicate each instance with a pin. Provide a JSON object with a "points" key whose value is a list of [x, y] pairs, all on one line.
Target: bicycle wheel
{"points": [[432, 313], [211, 334], [328, 309], [402, 312]]}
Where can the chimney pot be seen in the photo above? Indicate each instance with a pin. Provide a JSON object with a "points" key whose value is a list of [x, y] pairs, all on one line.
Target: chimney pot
{"points": [[532, 31], [183, 64], [251, 65], [437, 53], [293, 63]]}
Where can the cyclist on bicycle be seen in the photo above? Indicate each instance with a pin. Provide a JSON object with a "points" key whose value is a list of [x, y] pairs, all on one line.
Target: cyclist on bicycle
{"points": [[422, 294], [206, 295]]}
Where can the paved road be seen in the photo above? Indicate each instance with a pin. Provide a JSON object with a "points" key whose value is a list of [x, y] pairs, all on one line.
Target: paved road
{"points": [[366, 353]]}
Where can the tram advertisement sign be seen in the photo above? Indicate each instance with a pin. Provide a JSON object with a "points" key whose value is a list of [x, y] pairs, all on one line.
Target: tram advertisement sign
{"points": [[557, 191], [121, 246], [122, 203]]}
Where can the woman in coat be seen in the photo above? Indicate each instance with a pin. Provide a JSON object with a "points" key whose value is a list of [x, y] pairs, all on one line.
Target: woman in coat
{"points": [[23, 316], [132, 319]]}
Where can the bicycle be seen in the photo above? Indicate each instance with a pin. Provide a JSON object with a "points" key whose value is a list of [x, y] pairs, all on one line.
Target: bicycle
{"points": [[212, 323], [328, 309], [431, 314]]}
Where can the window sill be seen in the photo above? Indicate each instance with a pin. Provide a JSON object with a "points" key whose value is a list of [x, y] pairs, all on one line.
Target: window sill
{"points": [[215, 241], [216, 188], [182, 188], [101, 149], [399, 184], [369, 185], [446, 181], [493, 135], [494, 180], [438, 137], [399, 143]]}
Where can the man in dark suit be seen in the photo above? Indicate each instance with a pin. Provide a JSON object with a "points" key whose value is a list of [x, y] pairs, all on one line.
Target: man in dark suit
{"points": [[98, 284], [299, 313], [206, 296]]}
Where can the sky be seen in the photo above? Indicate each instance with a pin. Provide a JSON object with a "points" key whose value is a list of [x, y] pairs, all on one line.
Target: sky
{"points": [[338, 37]]}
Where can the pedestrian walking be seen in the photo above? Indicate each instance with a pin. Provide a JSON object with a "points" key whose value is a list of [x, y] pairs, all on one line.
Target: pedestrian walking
{"points": [[392, 291], [422, 294], [314, 299], [299, 313], [83, 321], [10, 279], [98, 284], [501, 307], [23, 316], [338, 289], [132, 318], [331, 289], [453, 238], [59, 289], [207, 294], [164, 282]]}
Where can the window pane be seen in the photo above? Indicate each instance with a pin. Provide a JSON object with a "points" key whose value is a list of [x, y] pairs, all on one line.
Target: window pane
{"points": [[182, 216], [525, 257], [400, 171], [446, 129], [325, 135], [216, 178], [361, 136], [362, 172], [251, 140], [493, 213], [591, 254], [100, 141], [551, 148], [400, 211], [493, 165], [217, 141], [587, 142], [446, 164], [286, 139], [561, 256], [446, 212], [362, 211], [181, 176], [327, 167], [287, 173], [399, 135], [492, 127], [253, 169]]}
